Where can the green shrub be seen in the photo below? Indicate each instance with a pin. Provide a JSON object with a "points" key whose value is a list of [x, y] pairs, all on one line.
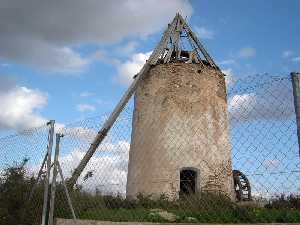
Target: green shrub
{"points": [[15, 186], [285, 202]]}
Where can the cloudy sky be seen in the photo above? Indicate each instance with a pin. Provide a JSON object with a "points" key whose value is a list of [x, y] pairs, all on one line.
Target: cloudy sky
{"points": [[70, 59]]}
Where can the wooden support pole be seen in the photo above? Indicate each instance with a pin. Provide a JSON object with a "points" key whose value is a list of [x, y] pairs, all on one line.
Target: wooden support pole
{"points": [[175, 37], [296, 94], [155, 56], [198, 43]]}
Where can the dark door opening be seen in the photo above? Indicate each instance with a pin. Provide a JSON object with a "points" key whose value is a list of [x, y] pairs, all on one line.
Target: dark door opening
{"points": [[188, 182]]}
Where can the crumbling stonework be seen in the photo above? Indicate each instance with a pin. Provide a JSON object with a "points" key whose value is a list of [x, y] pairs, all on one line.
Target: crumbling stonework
{"points": [[180, 121]]}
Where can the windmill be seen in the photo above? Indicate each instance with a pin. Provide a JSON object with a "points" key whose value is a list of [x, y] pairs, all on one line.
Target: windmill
{"points": [[178, 44]]}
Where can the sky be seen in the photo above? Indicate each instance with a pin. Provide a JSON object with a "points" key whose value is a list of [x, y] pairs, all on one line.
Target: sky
{"points": [[70, 59], [67, 60]]}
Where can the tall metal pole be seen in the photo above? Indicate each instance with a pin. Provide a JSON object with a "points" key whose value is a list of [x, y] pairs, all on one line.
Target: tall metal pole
{"points": [[296, 94], [46, 184], [53, 185]]}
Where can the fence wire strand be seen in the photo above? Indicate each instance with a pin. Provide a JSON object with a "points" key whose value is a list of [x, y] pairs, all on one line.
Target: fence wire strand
{"points": [[163, 164]]}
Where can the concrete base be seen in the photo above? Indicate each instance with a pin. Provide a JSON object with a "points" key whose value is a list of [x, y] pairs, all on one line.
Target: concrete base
{"points": [[94, 222]]}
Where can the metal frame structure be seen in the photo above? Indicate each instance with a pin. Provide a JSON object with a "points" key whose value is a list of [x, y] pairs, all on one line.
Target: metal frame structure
{"points": [[58, 171], [48, 213], [46, 164], [51, 123]]}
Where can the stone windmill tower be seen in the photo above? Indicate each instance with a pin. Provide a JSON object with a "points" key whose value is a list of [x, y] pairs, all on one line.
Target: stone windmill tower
{"points": [[180, 141]]}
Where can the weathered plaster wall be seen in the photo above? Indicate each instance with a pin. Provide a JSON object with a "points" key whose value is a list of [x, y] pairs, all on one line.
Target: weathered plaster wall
{"points": [[180, 121]]}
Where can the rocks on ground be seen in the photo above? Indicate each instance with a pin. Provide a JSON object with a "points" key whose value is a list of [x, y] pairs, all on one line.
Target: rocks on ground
{"points": [[164, 214]]}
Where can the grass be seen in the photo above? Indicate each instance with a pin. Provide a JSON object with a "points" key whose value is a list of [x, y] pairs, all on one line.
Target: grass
{"points": [[118, 215], [145, 215], [203, 207]]}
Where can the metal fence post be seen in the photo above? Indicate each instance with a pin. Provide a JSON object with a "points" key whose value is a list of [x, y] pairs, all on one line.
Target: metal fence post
{"points": [[296, 94], [53, 185], [46, 185]]}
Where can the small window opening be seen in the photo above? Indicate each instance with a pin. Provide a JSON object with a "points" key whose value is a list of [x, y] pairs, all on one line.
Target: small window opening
{"points": [[188, 182]]}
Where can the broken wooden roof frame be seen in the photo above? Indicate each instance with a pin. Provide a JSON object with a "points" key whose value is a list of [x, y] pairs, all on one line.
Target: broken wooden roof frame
{"points": [[161, 54]]}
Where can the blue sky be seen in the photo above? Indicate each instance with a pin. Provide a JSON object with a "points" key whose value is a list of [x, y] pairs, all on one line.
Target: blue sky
{"points": [[80, 68]]}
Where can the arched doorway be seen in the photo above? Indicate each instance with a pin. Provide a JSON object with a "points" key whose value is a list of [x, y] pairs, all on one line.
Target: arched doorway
{"points": [[188, 178]]}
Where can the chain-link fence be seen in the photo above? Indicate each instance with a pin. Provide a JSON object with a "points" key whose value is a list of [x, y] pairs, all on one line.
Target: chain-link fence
{"points": [[21, 158], [179, 155]]}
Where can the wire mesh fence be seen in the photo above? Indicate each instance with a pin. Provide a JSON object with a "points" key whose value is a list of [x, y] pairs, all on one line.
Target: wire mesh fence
{"points": [[202, 156], [21, 157]]}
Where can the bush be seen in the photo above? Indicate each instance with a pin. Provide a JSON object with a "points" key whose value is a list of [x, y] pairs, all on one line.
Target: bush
{"points": [[285, 202], [15, 186]]}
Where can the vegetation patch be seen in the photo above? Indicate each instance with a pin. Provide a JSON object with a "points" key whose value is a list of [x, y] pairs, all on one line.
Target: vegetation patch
{"points": [[15, 186]]}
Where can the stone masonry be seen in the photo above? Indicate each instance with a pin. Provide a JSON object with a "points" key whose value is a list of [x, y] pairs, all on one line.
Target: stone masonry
{"points": [[180, 122]]}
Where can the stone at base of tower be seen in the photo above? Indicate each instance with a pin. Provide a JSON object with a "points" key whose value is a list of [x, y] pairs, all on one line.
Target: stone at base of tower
{"points": [[180, 124]]}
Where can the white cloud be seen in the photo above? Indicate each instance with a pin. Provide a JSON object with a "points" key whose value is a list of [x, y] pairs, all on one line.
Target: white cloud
{"points": [[241, 105], [204, 33], [5, 64], [66, 60], [227, 62], [271, 164], [80, 133], [45, 36], [229, 78], [129, 48], [42, 55], [86, 94], [296, 59], [287, 53], [85, 108], [129, 68], [108, 166], [20, 105], [227, 72], [272, 103], [247, 52]]}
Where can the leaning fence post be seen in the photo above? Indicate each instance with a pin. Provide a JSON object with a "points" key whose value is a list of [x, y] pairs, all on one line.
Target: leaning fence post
{"points": [[296, 94], [53, 185], [67, 192], [46, 185]]}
